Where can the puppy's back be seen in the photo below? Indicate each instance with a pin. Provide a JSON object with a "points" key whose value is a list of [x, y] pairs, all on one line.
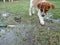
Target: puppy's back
{"points": [[36, 2]]}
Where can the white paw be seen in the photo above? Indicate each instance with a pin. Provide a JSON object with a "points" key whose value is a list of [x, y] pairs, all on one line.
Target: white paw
{"points": [[33, 12], [42, 22], [30, 14]]}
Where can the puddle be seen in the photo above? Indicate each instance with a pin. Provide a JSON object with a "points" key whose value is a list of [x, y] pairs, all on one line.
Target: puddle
{"points": [[21, 34], [55, 20], [48, 17], [8, 38]]}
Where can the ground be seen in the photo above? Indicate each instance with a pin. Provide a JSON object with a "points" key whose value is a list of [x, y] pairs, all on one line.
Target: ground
{"points": [[27, 30]]}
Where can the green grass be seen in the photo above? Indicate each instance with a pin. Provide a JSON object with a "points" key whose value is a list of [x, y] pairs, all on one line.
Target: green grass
{"points": [[56, 11], [21, 7]]}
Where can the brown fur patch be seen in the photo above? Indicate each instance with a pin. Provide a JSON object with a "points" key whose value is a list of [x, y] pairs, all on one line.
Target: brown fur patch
{"points": [[46, 6]]}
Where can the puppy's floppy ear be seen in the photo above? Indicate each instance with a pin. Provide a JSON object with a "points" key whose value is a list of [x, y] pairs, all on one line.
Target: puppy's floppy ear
{"points": [[52, 6], [39, 5]]}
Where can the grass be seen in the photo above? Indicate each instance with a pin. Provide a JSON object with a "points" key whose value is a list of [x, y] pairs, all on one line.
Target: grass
{"points": [[43, 35], [16, 7], [56, 11]]}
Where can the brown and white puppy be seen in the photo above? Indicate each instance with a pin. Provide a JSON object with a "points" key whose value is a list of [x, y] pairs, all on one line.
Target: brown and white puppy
{"points": [[42, 7]]}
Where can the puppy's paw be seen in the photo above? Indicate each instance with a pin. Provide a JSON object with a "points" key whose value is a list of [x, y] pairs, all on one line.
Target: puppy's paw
{"points": [[42, 23], [30, 14]]}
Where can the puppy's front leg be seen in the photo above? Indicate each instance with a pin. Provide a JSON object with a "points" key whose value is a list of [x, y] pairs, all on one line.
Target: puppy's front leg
{"points": [[40, 17]]}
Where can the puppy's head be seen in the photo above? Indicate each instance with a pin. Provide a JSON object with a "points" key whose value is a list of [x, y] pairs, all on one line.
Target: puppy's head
{"points": [[44, 7]]}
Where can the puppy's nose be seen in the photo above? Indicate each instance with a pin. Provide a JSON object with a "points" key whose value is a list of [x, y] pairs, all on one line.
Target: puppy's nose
{"points": [[43, 15]]}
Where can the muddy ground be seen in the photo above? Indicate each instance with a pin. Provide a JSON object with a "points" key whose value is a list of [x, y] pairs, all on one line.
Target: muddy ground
{"points": [[28, 32]]}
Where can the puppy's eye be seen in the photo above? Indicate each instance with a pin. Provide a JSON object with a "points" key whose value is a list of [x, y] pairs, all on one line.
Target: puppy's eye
{"points": [[41, 10], [48, 7], [46, 10]]}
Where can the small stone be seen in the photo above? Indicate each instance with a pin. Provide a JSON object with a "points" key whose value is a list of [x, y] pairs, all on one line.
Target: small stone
{"points": [[2, 31], [5, 15]]}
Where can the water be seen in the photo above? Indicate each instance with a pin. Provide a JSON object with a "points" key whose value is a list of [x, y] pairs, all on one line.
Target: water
{"points": [[48, 17], [19, 35]]}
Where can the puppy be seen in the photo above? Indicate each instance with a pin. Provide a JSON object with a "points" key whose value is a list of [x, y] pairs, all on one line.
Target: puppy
{"points": [[42, 7]]}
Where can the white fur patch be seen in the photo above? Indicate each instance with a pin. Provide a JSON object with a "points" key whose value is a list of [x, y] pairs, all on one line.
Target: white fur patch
{"points": [[43, 0], [40, 17], [30, 9]]}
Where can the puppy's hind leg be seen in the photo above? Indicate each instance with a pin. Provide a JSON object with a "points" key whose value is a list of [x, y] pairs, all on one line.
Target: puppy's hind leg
{"points": [[30, 9], [33, 10]]}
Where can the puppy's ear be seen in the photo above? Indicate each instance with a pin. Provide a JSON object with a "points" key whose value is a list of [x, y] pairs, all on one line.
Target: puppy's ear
{"points": [[39, 6], [52, 6]]}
